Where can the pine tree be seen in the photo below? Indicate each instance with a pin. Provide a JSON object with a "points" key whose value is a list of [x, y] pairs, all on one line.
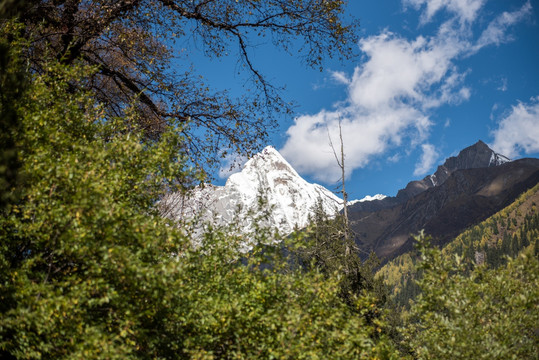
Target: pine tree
{"points": [[472, 316], [515, 245], [506, 244], [524, 242]]}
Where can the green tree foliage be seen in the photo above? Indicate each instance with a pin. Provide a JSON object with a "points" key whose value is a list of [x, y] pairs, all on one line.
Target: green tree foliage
{"points": [[12, 85], [83, 230], [477, 245], [488, 314], [130, 43], [328, 249], [89, 270]]}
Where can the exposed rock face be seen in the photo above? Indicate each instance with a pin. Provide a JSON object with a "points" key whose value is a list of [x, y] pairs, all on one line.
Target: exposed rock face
{"points": [[478, 155], [456, 199]]}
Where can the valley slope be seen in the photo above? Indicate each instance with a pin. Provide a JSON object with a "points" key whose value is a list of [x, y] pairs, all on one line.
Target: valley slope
{"points": [[465, 190]]}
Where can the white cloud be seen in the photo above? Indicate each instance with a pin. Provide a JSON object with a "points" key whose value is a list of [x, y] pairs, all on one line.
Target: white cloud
{"points": [[496, 31], [465, 10], [427, 160], [493, 111], [364, 135], [392, 93], [400, 70], [340, 77], [394, 158], [389, 97], [503, 85], [519, 130]]}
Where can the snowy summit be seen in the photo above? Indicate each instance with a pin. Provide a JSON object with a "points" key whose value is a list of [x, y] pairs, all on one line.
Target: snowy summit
{"points": [[267, 174]]}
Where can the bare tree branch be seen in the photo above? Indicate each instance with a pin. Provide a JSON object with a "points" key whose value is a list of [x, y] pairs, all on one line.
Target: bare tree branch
{"points": [[125, 40]]}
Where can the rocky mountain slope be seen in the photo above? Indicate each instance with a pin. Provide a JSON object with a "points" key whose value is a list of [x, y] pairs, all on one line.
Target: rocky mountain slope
{"points": [[463, 191], [505, 234]]}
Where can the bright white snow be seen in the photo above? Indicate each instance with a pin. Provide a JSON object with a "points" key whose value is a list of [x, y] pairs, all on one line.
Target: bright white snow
{"points": [[267, 175], [497, 159], [368, 198]]}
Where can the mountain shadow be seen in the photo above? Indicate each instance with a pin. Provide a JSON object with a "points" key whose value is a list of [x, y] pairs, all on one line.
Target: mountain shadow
{"points": [[463, 191]]}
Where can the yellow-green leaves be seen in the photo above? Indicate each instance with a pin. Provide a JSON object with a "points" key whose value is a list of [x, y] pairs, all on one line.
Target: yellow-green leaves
{"points": [[90, 271], [488, 314]]}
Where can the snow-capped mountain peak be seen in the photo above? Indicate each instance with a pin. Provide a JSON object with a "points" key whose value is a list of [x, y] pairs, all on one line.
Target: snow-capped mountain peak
{"points": [[267, 174], [257, 168], [269, 159]]}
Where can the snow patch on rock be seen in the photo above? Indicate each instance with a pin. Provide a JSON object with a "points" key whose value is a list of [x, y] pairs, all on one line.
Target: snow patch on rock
{"points": [[368, 198], [497, 159]]}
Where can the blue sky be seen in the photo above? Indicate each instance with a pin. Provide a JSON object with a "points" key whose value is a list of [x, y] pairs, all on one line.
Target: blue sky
{"points": [[432, 77]]}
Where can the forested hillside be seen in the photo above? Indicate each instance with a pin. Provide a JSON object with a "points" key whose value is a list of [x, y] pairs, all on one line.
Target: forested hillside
{"points": [[472, 314], [490, 243]]}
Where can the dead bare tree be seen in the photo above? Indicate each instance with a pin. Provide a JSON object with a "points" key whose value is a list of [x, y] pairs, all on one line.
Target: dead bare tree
{"points": [[340, 162]]}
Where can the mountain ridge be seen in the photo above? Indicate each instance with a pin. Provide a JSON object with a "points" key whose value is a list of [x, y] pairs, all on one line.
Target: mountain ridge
{"points": [[267, 175], [466, 197], [465, 189], [478, 155]]}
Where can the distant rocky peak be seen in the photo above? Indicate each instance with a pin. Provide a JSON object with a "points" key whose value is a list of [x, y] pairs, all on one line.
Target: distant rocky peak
{"points": [[479, 155]]}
